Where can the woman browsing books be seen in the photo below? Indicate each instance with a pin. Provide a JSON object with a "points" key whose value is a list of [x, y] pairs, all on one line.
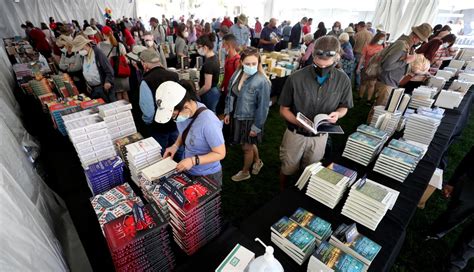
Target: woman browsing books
{"points": [[246, 110], [200, 132]]}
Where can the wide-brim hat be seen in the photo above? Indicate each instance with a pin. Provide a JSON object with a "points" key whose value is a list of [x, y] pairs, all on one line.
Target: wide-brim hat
{"points": [[168, 95], [135, 54], [349, 30], [79, 42], [423, 31], [242, 19], [64, 40]]}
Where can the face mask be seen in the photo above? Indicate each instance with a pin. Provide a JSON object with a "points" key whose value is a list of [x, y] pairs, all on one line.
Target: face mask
{"points": [[64, 49], [250, 70], [181, 118], [150, 43], [336, 28], [445, 45], [83, 52], [201, 51], [322, 72], [185, 34], [380, 42]]}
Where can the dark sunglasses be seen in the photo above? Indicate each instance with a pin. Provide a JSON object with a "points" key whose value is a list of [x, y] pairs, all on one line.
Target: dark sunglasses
{"points": [[321, 53]]}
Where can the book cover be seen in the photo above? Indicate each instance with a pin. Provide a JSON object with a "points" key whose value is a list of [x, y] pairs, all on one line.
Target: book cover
{"points": [[294, 233], [310, 221], [365, 139], [399, 156], [406, 147], [335, 259], [329, 176], [373, 191], [372, 131], [342, 170]]}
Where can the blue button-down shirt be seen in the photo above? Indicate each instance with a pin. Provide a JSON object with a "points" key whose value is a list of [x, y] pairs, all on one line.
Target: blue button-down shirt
{"points": [[147, 103], [241, 33]]}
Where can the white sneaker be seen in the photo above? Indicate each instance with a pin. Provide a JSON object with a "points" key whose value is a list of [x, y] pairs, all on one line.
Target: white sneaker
{"points": [[240, 176], [256, 167]]}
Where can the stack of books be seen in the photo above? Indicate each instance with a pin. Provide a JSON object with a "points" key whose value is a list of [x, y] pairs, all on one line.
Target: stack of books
{"points": [[437, 82], [449, 99], [139, 241], [384, 120], [104, 175], [397, 101], [122, 142], [447, 75], [65, 85], [466, 77], [347, 238], [328, 184], [422, 97], [316, 225], [142, 154], [422, 126], [154, 193], [114, 203], [90, 137], [364, 144], [118, 118], [296, 241], [368, 202], [460, 86], [56, 111], [195, 209], [395, 164], [330, 258]]}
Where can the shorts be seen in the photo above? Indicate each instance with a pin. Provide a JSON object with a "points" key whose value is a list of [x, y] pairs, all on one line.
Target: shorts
{"points": [[298, 151]]}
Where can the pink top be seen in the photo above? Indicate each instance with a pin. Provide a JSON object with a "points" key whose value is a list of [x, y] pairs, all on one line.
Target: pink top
{"points": [[370, 50]]}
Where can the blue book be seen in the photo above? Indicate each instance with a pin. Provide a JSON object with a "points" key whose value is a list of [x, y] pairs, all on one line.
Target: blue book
{"points": [[319, 226], [294, 233], [329, 256]]}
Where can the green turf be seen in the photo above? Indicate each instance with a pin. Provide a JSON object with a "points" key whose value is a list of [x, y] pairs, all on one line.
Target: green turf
{"points": [[241, 199]]}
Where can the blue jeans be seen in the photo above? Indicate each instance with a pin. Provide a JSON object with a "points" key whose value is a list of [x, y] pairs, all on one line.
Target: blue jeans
{"points": [[98, 92], [211, 98], [357, 75], [167, 139]]}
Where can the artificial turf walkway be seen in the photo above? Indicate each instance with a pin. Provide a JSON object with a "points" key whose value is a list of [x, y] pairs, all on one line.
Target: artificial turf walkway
{"points": [[241, 199]]}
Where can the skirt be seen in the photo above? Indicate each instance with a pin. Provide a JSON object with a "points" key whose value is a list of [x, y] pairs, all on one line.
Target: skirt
{"points": [[121, 84], [240, 130]]}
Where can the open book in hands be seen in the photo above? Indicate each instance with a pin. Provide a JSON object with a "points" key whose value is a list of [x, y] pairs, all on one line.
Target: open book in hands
{"points": [[320, 124]]}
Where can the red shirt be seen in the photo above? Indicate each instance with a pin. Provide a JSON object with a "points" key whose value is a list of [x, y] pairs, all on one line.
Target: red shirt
{"points": [[369, 50], [227, 22], [306, 29], [39, 39], [231, 64], [258, 27], [129, 40]]}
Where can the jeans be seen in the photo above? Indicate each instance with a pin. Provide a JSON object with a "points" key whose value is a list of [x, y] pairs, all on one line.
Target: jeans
{"points": [[167, 139], [211, 98], [98, 92], [357, 75]]}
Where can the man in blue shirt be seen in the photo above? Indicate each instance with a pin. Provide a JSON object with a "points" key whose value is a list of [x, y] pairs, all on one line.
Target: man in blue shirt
{"points": [[165, 134], [241, 31], [269, 36]]}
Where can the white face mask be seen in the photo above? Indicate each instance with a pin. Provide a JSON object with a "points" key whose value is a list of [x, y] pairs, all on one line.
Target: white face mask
{"points": [[336, 28], [201, 51], [185, 34], [150, 43], [83, 52], [445, 45], [380, 42], [64, 49]]}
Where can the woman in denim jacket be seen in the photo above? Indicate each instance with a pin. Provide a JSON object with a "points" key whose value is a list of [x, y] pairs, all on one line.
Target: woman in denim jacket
{"points": [[246, 109]]}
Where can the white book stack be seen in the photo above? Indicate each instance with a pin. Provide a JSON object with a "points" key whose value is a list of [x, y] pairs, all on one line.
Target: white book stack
{"points": [[437, 82], [142, 154], [452, 69], [163, 168], [395, 164], [420, 128], [384, 120], [328, 186], [368, 202], [456, 64], [364, 144], [460, 86], [469, 66], [119, 119], [90, 137], [468, 77], [449, 99], [422, 97], [447, 75]]}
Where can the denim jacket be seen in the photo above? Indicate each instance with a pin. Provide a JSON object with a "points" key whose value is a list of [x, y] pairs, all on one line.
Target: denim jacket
{"points": [[253, 100]]}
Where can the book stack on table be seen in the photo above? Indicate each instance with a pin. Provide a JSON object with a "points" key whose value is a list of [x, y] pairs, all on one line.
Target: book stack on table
{"points": [[368, 202], [422, 126], [57, 110], [89, 135], [363, 145], [114, 203], [142, 154], [118, 118], [347, 238], [139, 241], [329, 258], [384, 120], [104, 175], [316, 225], [195, 209], [120, 145], [422, 97], [328, 184], [399, 159]]}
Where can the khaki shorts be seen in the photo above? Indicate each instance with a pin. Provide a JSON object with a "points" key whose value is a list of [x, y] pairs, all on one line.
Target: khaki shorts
{"points": [[298, 151]]}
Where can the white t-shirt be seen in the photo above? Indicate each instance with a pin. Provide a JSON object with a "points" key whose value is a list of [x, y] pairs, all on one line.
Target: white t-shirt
{"points": [[90, 70]]}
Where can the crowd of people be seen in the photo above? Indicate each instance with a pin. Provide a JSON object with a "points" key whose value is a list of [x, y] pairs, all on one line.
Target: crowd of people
{"points": [[103, 59]]}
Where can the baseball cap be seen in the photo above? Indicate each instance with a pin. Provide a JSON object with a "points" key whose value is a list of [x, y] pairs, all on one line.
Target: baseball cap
{"points": [[168, 95], [106, 30]]}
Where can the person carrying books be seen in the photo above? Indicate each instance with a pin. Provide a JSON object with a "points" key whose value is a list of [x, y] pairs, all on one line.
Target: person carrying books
{"points": [[200, 131], [247, 104], [315, 89]]}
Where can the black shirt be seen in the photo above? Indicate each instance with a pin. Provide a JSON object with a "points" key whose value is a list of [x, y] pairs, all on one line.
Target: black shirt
{"points": [[211, 66]]}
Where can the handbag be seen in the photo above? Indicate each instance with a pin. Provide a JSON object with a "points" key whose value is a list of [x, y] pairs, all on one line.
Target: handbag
{"points": [[120, 64]]}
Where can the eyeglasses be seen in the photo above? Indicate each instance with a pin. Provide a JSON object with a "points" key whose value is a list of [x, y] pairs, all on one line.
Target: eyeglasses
{"points": [[321, 53]]}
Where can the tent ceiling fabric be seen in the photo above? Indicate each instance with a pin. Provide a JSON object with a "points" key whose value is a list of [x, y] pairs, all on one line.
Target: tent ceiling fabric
{"points": [[14, 14]]}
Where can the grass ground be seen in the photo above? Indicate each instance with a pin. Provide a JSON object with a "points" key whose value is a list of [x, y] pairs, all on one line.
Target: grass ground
{"points": [[241, 199]]}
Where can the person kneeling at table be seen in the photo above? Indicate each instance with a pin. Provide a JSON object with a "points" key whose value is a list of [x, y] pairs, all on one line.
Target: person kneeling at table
{"points": [[200, 131]]}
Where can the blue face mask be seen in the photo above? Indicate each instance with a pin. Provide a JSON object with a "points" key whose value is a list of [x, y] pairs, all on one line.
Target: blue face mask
{"points": [[250, 70], [181, 118]]}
